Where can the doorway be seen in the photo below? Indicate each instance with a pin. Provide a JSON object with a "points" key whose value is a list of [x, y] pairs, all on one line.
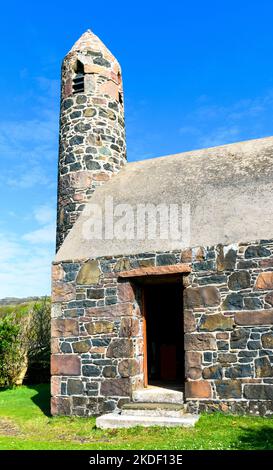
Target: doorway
{"points": [[164, 334]]}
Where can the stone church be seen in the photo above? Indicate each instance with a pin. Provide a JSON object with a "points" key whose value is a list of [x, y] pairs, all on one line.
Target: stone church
{"points": [[152, 330]]}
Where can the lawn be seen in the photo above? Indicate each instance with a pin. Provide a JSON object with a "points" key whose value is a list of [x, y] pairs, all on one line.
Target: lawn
{"points": [[25, 423]]}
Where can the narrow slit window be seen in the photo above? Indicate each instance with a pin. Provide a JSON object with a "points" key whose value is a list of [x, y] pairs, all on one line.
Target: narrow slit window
{"points": [[78, 81], [78, 84]]}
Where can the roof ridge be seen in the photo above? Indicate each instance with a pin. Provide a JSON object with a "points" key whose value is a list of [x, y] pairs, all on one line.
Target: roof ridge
{"points": [[204, 149]]}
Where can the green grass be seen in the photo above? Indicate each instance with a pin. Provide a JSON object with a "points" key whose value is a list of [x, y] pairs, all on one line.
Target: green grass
{"points": [[25, 423]]}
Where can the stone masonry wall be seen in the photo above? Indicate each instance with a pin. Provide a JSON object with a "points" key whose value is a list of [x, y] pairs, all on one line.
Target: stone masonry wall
{"points": [[229, 329], [97, 350], [97, 336]]}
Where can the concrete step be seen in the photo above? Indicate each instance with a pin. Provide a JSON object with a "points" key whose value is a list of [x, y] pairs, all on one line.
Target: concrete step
{"points": [[153, 394], [167, 410], [114, 420]]}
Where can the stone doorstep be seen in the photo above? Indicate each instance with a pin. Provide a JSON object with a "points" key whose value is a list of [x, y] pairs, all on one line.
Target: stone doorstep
{"points": [[153, 394], [166, 410], [114, 420]]}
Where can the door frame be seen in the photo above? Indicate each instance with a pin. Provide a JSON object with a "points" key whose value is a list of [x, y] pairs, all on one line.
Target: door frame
{"points": [[145, 352]]}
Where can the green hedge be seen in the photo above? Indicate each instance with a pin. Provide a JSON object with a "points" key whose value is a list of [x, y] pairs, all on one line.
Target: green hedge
{"points": [[25, 344]]}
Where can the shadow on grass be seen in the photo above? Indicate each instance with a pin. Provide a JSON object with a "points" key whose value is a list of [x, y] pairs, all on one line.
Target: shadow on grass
{"points": [[255, 439], [42, 398]]}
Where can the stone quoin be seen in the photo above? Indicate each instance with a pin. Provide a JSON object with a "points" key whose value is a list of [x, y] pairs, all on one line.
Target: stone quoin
{"points": [[128, 314]]}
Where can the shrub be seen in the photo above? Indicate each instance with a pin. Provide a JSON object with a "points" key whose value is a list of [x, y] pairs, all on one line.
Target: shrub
{"points": [[13, 350], [38, 338], [25, 345]]}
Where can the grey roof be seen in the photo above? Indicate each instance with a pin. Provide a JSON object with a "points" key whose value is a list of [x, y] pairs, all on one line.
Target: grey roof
{"points": [[229, 189]]}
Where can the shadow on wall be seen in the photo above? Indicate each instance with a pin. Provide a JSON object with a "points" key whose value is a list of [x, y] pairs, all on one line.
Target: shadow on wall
{"points": [[258, 439], [42, 397]]}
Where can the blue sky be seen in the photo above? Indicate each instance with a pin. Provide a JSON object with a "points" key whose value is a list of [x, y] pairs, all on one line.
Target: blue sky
{"points": [[196, 74]]}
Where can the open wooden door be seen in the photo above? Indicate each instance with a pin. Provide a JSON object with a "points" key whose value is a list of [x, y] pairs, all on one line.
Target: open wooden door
{"points": [[145, 352]]}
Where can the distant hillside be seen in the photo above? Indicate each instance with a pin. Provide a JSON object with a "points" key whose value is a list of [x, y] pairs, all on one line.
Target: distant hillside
{"points": [[18, 306], [18, 301]]}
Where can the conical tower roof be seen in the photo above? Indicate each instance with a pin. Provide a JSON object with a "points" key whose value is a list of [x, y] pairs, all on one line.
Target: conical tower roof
{"points": [[90, 42]]}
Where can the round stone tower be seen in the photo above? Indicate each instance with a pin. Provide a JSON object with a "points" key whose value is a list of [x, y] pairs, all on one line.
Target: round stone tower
{"points": [[92, 136]]}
